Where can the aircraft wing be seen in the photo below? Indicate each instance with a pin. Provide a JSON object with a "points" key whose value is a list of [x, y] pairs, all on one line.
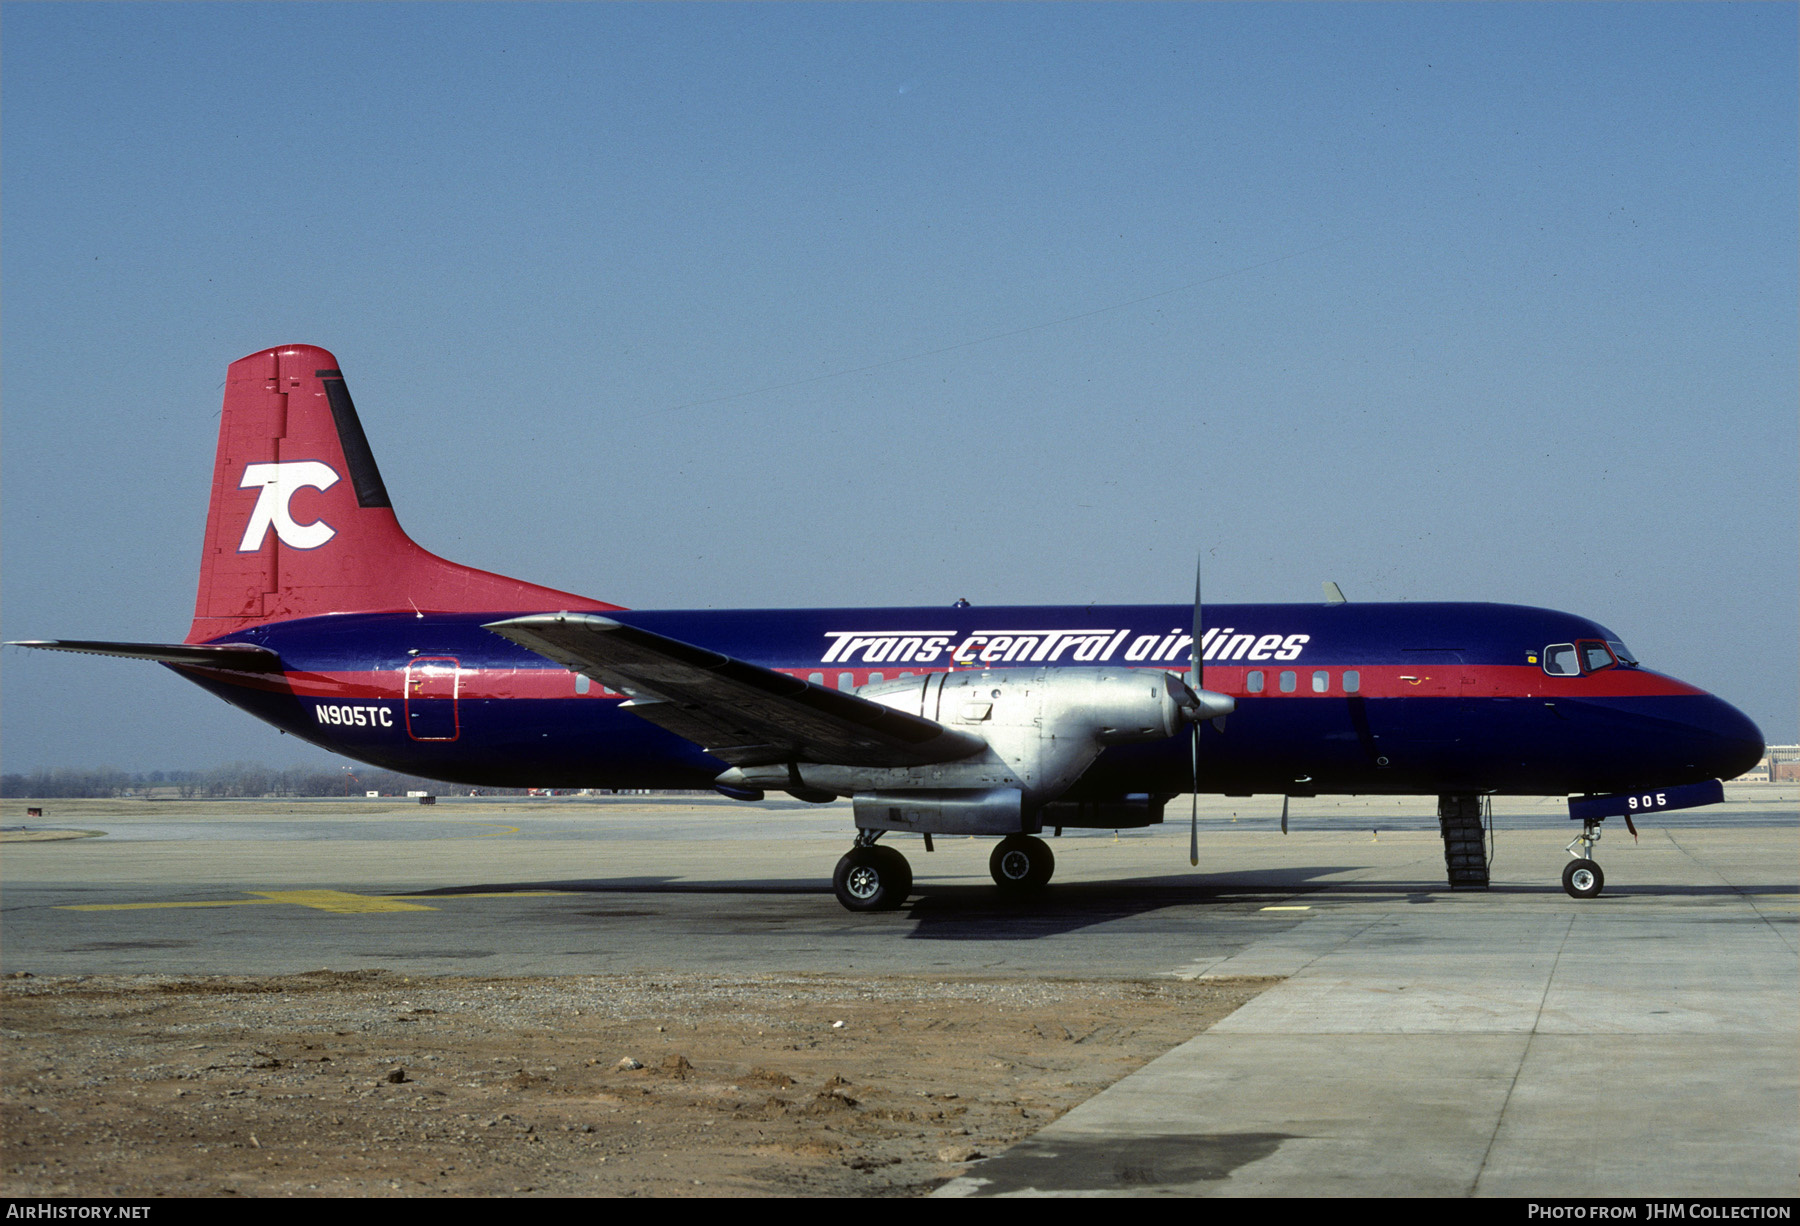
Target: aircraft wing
{"points": [[739, 712]]}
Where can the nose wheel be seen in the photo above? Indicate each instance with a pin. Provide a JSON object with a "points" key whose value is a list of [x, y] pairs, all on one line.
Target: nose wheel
{"points": [[1582, 877]]}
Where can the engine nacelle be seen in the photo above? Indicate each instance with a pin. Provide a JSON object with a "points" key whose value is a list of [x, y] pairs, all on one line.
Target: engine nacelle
{"points": [[931, 811], [1042, 729], [1017, 711]]}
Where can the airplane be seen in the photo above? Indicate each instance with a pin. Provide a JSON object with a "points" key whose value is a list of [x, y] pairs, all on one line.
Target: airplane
{"points": [[317, 613]]}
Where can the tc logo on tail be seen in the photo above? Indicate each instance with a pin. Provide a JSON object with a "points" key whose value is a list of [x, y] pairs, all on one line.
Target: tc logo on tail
{"points": [[280, 482]]}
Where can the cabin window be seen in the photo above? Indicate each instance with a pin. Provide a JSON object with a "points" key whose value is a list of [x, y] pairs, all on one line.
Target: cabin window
{"points": [[1352, 681], [581, 683], [1253, 683], [846, 681], [816, 678], [1560, 660], [874, 677], [1289, 681], [1321, 682]]}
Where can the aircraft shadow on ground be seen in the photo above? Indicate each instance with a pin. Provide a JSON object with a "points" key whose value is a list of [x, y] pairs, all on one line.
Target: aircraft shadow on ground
{"points": [[981, 912], [972, 911], [1182, 887], [952, 912], [1426, 891]]}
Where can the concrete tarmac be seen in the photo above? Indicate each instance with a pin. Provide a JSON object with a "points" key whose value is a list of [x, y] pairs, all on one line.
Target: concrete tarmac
{"points": [[1512, 1042]]}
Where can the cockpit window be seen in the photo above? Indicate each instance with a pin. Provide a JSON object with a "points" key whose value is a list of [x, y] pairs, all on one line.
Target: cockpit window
{"points": [[1586, 656], [1560, 660], [1595, 656]]}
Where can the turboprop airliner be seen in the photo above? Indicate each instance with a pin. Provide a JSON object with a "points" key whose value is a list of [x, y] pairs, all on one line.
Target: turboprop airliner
{"points": [[318, 614]]}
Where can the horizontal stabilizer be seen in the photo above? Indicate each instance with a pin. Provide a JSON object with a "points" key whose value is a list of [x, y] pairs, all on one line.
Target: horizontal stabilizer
{"points": [[739, 712], [238, 657]]}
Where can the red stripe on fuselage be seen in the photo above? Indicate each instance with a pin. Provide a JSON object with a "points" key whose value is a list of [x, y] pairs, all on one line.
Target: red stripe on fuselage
{"points": [[1448, 681], [1375, 681]]}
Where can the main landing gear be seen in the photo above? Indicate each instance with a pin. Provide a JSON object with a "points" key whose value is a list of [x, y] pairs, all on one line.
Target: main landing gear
{"points": [[871, 877], [1582, 877], [1021, 863]]}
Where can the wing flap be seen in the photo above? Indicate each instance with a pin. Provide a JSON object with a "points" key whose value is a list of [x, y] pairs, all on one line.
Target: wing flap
{"points": [[740, 712]]}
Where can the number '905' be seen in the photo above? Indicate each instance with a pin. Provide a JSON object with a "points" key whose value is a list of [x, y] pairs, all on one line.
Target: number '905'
{"points": [[1647, 801]]}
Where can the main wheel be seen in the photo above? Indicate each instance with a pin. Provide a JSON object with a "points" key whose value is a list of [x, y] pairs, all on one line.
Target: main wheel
{"points": [[1021, 862], [872, 879], [1583, 879], [901, 872]]}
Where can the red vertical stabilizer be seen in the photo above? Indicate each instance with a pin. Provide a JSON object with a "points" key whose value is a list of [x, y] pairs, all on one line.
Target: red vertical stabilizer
{"points": [[300, 523]]}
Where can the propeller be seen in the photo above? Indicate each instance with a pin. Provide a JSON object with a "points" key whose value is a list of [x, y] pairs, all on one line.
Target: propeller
{"points": [[1198, 704], [1196, 671]]}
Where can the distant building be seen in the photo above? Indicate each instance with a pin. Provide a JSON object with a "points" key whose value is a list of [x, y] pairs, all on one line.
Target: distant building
{"points": [[1780, 764]]}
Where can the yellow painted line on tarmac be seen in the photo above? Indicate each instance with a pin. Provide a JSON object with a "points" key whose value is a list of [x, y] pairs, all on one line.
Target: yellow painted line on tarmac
{"points": [[498, 832], [1287, 908], [493, 894], [339, 902]]}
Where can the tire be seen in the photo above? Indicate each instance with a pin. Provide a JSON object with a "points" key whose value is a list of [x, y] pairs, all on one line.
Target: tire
{"points": [[1583, 879], [901, 870], [1021, 863], [872, 879]]}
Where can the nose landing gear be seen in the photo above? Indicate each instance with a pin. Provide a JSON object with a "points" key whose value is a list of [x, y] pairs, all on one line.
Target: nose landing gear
{"points": [[1582, 877]]}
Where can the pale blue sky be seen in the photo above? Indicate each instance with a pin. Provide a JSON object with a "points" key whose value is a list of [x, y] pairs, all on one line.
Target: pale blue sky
{"points": [[1461, 302]]}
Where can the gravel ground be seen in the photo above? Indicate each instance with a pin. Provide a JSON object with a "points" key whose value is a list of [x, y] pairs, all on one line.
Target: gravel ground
{"points": [[372, 1083]]}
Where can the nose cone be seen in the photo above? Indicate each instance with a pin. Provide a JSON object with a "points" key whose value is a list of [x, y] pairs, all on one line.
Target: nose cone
{"points": [[1670, 738], [1704, 738], [1731, 743]]}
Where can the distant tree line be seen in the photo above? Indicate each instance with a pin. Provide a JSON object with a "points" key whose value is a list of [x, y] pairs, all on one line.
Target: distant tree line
{"points": [[248, 779]]}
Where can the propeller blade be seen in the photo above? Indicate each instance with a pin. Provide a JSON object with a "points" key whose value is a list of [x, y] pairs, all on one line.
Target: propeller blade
{"points": [[1197, 672], [1194, 814], [1284, 801]]}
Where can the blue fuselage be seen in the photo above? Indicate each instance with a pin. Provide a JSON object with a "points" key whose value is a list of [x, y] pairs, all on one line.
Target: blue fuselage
{"points": [[1354, 698]]}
